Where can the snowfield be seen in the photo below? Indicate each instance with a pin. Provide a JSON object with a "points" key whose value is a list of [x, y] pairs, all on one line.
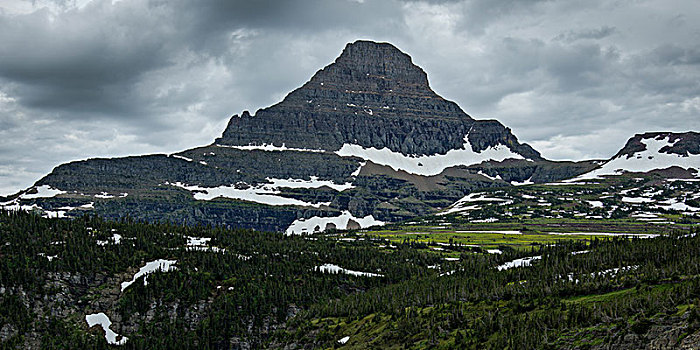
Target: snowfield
{"points": [[524, 183], [44, 191], [461, 205], [261, 195], [643, 161], [427, 165], [104, 322], [271, 148], [150, 267], [318, 224], [595, 204], [313, 183], [265, 193]]}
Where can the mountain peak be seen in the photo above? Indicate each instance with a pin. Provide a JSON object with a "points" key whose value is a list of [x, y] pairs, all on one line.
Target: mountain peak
{"points": [[371, 96], [373, 52], [378, 75], [653, 151], [378, 67]]}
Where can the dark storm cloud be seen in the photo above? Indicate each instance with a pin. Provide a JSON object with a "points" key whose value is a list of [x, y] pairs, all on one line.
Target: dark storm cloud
{"points": [[81, 78], [87, 60], [302, 14], [79, 63]]}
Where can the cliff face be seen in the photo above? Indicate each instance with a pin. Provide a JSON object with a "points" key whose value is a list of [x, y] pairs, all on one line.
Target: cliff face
{"points": [[364, 140], [372, 96]]}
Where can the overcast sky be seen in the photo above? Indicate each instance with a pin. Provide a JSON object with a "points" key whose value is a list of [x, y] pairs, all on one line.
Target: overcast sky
{"points": [[574, 79]]}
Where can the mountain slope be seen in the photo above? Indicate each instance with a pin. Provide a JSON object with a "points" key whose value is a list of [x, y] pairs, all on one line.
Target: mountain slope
{"points": [[365, 141], [372, 96], [653, 151]]}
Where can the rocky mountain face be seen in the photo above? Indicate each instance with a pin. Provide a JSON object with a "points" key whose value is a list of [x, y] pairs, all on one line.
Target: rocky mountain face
{"points": [[682, 144], [372, 96], [677, 154], [365, 141]]}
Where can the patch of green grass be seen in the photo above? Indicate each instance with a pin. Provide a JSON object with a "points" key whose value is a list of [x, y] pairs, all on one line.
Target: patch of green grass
{"points": [[598, 298]]}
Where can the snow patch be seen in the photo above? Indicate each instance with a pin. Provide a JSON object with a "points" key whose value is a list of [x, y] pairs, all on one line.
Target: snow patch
{"points": [[637, 200], [522, 262], [48, 257], [313, 183], [181, 157], [116, 239], [202, 244], [105, 195], [150, 267], [485, 220], [595, 204], [331, 268], [197, 241], [492, 178], [104, 322], [44, 191], [318, 224], [271, 148], [357, 172], [428, 165], [565, 183], [460, 205], [647, 160], [526, 182], [263, 195], [674, 204], [51, 214]]}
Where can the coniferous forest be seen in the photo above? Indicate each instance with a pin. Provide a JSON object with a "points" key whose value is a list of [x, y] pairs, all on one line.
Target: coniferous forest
{"points": [[228, 288]]}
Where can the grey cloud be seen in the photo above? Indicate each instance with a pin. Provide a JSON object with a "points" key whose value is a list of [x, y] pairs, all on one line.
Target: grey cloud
{"points": [[597, 34], [480, 14], [673, 54], [87, 61], [135, 77], [79, 61]]}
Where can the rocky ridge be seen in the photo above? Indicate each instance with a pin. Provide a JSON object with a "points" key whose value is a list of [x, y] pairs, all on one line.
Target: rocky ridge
{"points": [[373, 96], [365, 138], [677, 154], [683, 144]]}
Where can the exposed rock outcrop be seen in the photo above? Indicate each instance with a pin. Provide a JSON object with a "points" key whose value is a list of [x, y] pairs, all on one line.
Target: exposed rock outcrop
{"points": [[372, 107], [373, 96]]}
